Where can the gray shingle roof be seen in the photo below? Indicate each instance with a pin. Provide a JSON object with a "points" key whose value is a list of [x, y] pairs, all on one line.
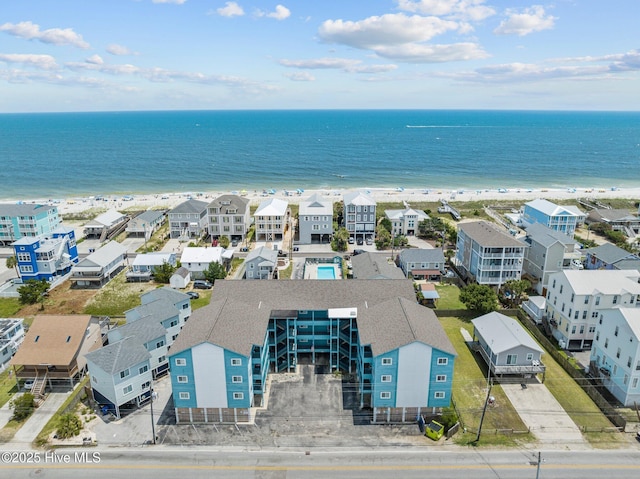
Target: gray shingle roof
{"points": [[503, 333], [419, 255], [143, 330], [150, 216], [167, 293], [238, 315], [610, 253], [161, 309], [190, 207], [375, 266], [263, 252], [488, 235], [119, 356], [546, 236], [227, 202], [182, 271], [14, 209]]}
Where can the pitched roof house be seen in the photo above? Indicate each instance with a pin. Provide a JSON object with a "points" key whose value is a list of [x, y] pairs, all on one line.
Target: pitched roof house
{"points": [[99, 267]]}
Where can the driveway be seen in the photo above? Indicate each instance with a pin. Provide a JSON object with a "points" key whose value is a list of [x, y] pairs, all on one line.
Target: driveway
{"points": [[543, 414], [38, 420]]}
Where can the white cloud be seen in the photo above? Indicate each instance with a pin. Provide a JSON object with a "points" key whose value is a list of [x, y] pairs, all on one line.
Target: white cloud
{"points": [[530, 20], [389, 29], [280, 13], [54, 36], [95, 59], [344, 64], [474, 10], [116, 49], [300, 76], [177, 2], [230, 9], [43, 62], [422, 53]]}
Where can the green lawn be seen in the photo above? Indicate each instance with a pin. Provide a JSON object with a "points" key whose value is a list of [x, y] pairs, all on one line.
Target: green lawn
{"points": [[203, 300], [8, 386], [470, 392], [449, 297], [117, 297], [9, 307]]}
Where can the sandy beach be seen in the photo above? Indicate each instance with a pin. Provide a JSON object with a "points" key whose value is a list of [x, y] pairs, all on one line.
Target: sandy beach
{"points": [[170, 200]]}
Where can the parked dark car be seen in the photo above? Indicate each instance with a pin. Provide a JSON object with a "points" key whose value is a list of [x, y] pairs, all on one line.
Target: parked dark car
{"points": [[359, 242], [358, 251], [202, 284], [193, 295]]}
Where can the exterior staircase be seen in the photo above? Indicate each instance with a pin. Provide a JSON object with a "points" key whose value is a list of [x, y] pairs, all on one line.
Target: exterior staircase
{"points": [[39, 385]]}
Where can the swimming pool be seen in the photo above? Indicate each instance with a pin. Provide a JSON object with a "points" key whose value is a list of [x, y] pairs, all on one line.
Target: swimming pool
{"points": [[326, 272]]}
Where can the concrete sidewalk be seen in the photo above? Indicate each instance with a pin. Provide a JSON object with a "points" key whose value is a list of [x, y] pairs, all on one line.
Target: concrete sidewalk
{"points": [[543, 414]]}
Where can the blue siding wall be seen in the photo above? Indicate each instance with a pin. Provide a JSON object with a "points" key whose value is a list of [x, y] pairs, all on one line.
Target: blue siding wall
{"points": [[243, 387], [189, 387], [378, 387], [437, 370]]}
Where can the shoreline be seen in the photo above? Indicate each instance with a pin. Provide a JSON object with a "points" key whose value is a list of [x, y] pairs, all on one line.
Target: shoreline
{"points": [[73, 205]]}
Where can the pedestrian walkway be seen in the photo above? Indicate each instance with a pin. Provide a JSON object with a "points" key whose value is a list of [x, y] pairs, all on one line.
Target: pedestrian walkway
{"points": [[38, 420], [6, 412]]}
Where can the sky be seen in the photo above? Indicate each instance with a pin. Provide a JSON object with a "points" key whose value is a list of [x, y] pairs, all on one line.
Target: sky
{"points": [[115, 55]]}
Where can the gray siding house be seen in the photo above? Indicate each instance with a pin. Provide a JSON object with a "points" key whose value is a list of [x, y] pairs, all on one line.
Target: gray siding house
{"points": [[422, 263], [99, 267], [315, 220], [228, 215], [261, 263], [359, 215], [146, 223], [188, 220]]}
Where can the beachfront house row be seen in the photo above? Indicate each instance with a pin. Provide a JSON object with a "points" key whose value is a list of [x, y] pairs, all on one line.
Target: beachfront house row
{"points": [[31, 220], [615, 354], [146, 223], [53, 350], [229, 215], [180, 278], [315, 220], [99, 267], [558, 218], [272, 219], [143, 266], [49, 257], [405, 222], [197, 259], [397, 351], [548, 251], [576, 297], [261, 263], [11, 336], [418, 263], [610, 256], [120, 374], [106, 226], [488, 255], [359, 215], [506, 347], [188, 220]]}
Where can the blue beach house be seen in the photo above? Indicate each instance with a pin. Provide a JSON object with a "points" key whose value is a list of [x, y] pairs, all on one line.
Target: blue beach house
{"points": [[559, 218], [48, 256]]}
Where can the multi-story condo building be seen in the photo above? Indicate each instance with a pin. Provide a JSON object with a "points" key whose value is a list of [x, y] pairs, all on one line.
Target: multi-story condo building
{"points": [[48, 256], [188, 220], [397, 351], [11, 336], [576, 297], [558, 218], [548, 251], [229, 215], [315, 220], [615, 354], [359, 215], [405, 222], [488, 255], [30, 220], [271, 219]]}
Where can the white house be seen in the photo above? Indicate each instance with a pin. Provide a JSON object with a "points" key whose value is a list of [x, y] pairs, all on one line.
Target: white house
{"points": [[146, 223], [105, 224], [405, 222], [535, 307], [197, 259], [11, 336], [271, 219], [99, 267], [615, 354], [143, 265], [180, 278], [576, 297]]}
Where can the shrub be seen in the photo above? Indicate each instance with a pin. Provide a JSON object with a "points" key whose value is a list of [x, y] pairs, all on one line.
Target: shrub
{"points": [[22, 407], [69, 425]]}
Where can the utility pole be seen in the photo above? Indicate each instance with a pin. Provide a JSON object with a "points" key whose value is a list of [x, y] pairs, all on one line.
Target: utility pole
{"points": [[153, 425], [484, 410], [538, 469]]}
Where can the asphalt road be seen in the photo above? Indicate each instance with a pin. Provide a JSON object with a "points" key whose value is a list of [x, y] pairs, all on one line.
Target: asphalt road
{"points": [[159, 463]]}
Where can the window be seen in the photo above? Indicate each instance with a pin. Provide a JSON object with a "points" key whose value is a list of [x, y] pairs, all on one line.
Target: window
{"points": [[173, 323], [597, 300], [586, 300], [584, 314], [615, 299], [576, 315], [638, 366], [238, 396], [386, 378], [440, 378], [181, 362], [561, 286], [161, 359], [183, 379], [184, 395], [634, 383], [127, 389], [592, 329], [582, 329], [443, 361], [573, 330], [554, 284], [572, 297], [124, 374], [236, 362], [387, 361], [236, 379], [143, 369], [606, 342], [512, 359], [616, 331], [385, 395], [529, 356], [598, 336], [629, 362], [26, 257], [438, 394], [618, 353], [159, 344]]}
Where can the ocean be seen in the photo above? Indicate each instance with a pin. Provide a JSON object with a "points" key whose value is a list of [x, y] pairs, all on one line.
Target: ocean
{"points": [[62, 155]]}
